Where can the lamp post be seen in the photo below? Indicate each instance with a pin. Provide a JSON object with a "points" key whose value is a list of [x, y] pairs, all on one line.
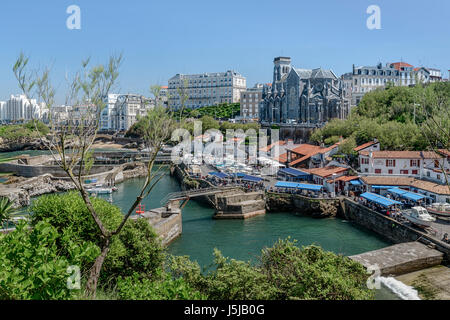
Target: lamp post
{"points": [[333, 194]]}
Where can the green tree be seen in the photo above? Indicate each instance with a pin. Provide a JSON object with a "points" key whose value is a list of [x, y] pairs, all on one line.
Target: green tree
{"points": [[6, 210], [136, 249], [33, 266], [285, 271]]}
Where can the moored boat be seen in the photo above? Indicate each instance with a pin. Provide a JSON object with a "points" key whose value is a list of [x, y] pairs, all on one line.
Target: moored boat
{"points": [[419, 216], [98, 190], [440, 209]]}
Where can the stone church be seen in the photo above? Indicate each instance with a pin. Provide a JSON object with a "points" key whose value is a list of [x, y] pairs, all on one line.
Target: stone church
{"points": [[302, 96]]}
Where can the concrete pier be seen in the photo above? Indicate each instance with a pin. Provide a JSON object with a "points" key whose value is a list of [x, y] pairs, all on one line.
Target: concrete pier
{"points": [[240, 205], [166, 221], [401, 258]]}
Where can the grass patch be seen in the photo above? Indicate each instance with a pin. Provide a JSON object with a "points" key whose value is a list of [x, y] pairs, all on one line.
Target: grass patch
{"points": [[425, 288]]}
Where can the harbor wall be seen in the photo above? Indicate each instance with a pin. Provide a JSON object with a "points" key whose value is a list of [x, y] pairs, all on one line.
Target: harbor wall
{"points": [[390, 228], [314, 207], [169, 228]]}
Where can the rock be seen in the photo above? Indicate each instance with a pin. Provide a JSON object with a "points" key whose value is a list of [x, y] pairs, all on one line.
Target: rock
{"points": [[21, 192]]}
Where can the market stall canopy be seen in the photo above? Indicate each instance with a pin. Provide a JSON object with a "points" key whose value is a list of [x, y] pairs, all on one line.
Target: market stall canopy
{"points": [[294, 172], [406, 194], [218, 174], [247, 177], [295, 185], [386, 202]]}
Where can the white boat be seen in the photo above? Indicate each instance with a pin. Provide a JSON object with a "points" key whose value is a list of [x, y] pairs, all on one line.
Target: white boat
{"points": [[98, 190], [440, 209], [419, 216]]}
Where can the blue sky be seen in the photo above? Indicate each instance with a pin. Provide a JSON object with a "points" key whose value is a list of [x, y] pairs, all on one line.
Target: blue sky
{"points": [[162, 38]]}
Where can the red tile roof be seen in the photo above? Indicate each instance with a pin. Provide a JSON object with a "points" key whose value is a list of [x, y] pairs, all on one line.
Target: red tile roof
{"points": [[270, 146], [326, 171], [407, 181], [402, 154], [365, 145], [444, 152], [344, 178], [398, 65]]}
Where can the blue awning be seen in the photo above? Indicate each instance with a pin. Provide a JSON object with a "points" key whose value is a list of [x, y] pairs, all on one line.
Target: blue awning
{"points": [[406, 194], [286, 184], [382, 187], [314, 187], [355, 182], [386, 202], [293, 172], [218, 174], [295, 185]]}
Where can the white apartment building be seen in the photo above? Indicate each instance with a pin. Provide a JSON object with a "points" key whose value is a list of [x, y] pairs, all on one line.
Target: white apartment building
{"points": [[19, 109], [365, 79], [127, 109], [106, 122], [205, 89], [400, 163], [250, 100], [2, 110]]}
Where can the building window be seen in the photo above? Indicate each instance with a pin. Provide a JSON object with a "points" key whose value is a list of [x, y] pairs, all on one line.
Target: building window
{"points": [[390, 163], [403, 171], [414, 172], [390, 171], [377, 171], [415, 163]]}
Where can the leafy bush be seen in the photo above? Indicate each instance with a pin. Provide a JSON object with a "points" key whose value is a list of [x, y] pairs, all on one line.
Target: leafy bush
{"points": [[393, 116], [136, 288], [15, 132], [33, 266], [135, 249], [285, 272]]}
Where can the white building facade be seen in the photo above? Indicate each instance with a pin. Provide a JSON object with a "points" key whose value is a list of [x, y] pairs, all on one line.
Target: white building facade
{"points": [[19, 109], [127, 109], [403, 163], [106, 118], [205, 89], [364, 79]]}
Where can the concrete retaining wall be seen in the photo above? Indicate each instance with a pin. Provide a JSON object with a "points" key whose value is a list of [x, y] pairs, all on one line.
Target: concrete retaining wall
{"points": [[34, 170], [389, 228]]}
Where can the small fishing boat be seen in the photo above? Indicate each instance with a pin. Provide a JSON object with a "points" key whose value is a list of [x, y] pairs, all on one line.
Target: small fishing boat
{"points": [[440, 209], [100, 190], [419, 216]]}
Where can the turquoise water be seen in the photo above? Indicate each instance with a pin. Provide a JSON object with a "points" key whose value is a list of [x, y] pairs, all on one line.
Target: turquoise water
{"points": [[244, 239]]}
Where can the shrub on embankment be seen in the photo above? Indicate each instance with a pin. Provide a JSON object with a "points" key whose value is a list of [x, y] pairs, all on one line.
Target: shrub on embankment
{"points": [[34, 263], [135, 249]]}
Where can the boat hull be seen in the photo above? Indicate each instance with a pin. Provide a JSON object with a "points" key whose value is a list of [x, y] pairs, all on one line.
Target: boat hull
{"points": [[420, 223], [445, 214]]}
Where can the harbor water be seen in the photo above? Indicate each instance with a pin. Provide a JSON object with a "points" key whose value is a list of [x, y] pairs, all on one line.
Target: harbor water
{"points": [[244, 239]]}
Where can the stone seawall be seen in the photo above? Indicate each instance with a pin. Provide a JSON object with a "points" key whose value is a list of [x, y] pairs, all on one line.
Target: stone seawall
{"points": [[314, 207], [390, 228], [169, 228]]}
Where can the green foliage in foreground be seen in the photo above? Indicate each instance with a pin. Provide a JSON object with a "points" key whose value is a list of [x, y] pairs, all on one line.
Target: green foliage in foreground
{"points": [[285, 272], [168, 288], [34, 263], [135, 249], [395, 116], [14, 132]]}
